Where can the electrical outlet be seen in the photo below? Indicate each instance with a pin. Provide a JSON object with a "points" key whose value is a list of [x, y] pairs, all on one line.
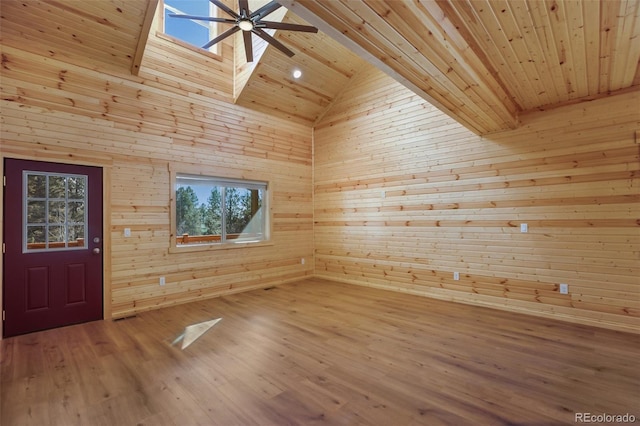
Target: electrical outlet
{"points": [[162, 281], [456, 276], [302, 261], [524, 228], [564, 288]]}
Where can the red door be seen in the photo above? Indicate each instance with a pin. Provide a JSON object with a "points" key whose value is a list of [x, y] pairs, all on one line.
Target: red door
{"points": [[53, 245]]}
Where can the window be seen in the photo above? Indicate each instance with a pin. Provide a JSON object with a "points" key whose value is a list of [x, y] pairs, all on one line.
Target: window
{"points": [[215, 211], [193, 32], [54, 211]]}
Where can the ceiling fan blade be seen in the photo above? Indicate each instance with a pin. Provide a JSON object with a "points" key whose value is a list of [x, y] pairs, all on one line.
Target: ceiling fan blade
{"points": [[266, 37], [203, 18], [243, 8], [287, 27], [221, 37], [248, 45], [225, 8], [264, 11]]}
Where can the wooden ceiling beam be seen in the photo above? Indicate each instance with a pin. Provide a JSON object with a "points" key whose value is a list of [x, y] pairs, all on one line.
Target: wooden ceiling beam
{"points": [[336, 27], [145, 28], [421, 48], [460, 54]]}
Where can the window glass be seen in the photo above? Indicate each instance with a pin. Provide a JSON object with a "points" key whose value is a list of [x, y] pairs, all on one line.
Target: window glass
{"points": [[243, 211], [54, 211], [212, 210], [192, 31], [36, 186]]}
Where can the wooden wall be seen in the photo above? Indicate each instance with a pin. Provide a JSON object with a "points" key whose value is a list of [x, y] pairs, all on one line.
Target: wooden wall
{"points": [[404, 197], [178, 113]]}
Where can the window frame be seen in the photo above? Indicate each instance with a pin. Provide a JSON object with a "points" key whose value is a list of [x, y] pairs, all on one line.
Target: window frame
{"points": [[174, 247], [213, 52]]}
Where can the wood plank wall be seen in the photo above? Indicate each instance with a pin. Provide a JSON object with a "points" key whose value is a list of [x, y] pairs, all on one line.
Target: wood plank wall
{"points": [[404, 197], [177, 114]]}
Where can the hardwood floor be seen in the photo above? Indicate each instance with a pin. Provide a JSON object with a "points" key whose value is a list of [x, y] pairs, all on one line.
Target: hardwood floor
{"points": [[318, 352]]}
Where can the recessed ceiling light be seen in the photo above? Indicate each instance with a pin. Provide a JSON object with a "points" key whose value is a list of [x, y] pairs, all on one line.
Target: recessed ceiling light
{"points": [[297, 73]]}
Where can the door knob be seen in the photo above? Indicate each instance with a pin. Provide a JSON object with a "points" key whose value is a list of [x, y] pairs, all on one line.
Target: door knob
{"points": [[96, 250]]}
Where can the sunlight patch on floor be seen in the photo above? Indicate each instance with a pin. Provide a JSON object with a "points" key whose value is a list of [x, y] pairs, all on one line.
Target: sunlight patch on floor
{"points": [[193, 332]]}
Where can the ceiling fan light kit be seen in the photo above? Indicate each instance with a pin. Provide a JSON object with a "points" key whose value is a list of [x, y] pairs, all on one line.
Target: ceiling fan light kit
{"points": [[249, 23], [246, 25]]}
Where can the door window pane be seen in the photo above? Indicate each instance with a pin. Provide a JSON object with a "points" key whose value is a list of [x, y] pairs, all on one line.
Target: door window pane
{"points": [[36, 235], [76, 236], [57, 210], [57, 186], [37, 186], [56, 234], [75, 210], [36, 211], [54, 211], [76, 187]]}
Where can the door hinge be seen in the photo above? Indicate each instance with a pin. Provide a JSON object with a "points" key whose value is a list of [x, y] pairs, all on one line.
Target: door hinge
{"points": [[4, 181], [3, 315], [4, 248]]}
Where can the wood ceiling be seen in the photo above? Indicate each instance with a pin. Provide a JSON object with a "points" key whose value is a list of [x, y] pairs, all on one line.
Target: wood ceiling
{"points": [[484, 62], [103, 35], [326, 67]]}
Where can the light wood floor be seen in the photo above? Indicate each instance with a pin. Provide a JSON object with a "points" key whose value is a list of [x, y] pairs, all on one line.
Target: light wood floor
{"points": [[318, 352]]}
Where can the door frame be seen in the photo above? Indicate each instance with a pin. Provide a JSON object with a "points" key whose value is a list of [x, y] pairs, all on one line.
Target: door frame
{"points": [[106, 165]]}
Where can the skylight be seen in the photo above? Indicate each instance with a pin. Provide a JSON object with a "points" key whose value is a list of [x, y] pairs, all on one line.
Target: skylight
{"points": [[193, 32]]}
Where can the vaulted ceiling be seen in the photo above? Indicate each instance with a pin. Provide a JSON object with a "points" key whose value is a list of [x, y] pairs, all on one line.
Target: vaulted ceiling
{"points": [[108, 35], [326, 67], [483, 62]]}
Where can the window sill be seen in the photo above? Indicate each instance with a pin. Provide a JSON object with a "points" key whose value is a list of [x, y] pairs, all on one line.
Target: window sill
{"points": [[220, 246]]}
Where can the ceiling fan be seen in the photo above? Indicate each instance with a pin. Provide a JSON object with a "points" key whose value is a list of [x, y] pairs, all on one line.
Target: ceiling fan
{"points": [[250, 23]]}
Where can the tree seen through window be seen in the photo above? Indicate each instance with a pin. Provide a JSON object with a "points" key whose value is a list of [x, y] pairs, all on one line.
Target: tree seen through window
{"points": [[54, 215], [207, 212]]}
